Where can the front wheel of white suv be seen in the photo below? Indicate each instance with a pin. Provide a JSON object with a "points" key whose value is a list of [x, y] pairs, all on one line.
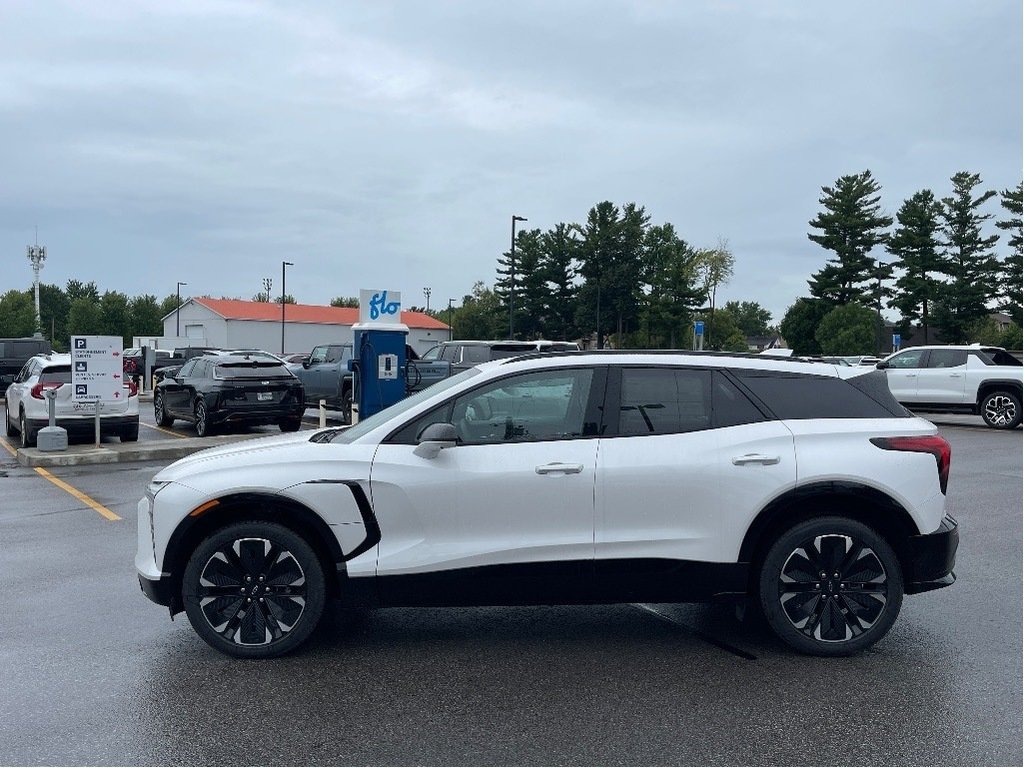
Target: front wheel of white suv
{"points": [[830, 586], [254, 589]]}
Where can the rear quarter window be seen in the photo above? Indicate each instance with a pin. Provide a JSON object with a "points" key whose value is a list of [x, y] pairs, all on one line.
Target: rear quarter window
{"points": [[802, 396]]}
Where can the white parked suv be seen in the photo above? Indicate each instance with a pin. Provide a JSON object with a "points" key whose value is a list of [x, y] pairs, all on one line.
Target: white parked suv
{"points": [[589, 477], [971, 379], [27, 409]]}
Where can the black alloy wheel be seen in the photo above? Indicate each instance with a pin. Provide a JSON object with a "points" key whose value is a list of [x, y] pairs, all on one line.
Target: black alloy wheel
{"points": [[346, 406], [254, 589], [1001, 410], [202, 419], [831, 587], [163, 418]]}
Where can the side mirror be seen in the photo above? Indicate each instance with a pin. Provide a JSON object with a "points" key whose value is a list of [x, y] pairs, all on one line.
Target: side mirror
{"points": [[435, 438], [305, 363], [881, 365]]}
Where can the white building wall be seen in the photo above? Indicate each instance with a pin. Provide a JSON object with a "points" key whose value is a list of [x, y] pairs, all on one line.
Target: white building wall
{"points": [[202, 327]]}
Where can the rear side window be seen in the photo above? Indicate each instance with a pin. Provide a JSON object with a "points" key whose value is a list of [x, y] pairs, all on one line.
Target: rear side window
{"points": [[659, 401], [794, 396], [475, 354], [947, 358]]}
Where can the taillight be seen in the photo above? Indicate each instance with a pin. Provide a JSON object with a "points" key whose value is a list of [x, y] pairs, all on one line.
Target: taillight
{"points": [[133, 388], [37, 390], [936, 445]]}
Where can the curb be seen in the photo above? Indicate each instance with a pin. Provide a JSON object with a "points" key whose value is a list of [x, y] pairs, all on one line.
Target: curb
{"points": [[115, 454]]}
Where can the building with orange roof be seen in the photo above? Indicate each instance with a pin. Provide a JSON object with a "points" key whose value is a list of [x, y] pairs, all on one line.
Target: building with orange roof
{"points": [[235, 324]]}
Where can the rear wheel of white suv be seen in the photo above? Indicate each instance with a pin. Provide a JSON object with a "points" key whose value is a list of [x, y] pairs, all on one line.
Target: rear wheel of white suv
{"points": [[254, 589], [1001, 409], [830, 586]]}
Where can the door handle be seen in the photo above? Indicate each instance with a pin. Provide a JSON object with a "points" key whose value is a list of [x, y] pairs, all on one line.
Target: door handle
{"points": [[955, 375], [556, 468], [755, 458]]}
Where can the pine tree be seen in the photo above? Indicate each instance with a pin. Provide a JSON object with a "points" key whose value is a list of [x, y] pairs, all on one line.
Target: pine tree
{"points": [[968, 259], [1012, 277], [850, 226], [915, 244], [559, 250]]}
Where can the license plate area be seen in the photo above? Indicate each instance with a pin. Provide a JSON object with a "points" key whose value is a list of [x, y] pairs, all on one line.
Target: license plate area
{"points": [[264, 396]]}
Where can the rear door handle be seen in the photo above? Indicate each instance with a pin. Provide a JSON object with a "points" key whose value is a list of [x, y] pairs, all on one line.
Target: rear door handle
{"points": [[556, 468], [755, 458]]}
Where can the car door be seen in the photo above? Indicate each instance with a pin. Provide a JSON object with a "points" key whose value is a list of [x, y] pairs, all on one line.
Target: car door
{"points": [[902, 371], [685, 465], [944, 377], [175, 393], [506, 515]]}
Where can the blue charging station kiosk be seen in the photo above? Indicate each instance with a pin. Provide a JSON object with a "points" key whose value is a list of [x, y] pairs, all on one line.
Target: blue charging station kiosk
{"points": [[378, 366]]}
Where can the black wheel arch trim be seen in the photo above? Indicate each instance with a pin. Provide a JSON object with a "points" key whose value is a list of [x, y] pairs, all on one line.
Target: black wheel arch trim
{"points": [[989, 386], [860, 502], [272, 508]]}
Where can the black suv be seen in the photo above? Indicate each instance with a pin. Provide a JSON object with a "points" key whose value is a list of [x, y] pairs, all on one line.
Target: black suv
{"points": [[14, 353]]}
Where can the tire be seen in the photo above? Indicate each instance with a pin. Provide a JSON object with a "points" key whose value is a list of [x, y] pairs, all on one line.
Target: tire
{"points": [[130, 434], [346, 405], [1001, 409], [254, 590], [11, 429], [202, 419], [163, 418], [28, 437], [291, 425], [813, 610]]}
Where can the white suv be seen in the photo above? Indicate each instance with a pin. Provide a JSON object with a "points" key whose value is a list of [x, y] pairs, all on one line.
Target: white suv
{"points": [[572, 478], [28, 411]]}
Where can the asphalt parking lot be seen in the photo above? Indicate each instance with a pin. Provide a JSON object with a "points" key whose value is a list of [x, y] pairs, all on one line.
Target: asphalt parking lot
{"points": [[96, 674]]}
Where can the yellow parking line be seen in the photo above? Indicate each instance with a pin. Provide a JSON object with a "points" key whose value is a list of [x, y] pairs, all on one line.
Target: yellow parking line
{"points": [[161, 429], [89, 502]]}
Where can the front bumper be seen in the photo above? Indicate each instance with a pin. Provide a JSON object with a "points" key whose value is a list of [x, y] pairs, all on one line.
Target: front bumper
{"points": [[929, 560], [157, 590]]}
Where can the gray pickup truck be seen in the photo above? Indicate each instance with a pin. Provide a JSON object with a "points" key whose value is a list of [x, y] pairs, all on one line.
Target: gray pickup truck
{"points": [[325, 375]]}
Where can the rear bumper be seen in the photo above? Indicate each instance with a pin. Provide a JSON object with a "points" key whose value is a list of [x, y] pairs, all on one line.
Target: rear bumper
{"points": [[930, 558], [83, 425], [257, 415]]}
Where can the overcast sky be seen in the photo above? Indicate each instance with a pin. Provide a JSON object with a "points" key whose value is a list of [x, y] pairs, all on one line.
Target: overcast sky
{"points": [[386, 145]]}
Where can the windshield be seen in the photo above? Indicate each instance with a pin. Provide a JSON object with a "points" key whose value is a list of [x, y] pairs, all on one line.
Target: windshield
{"points": [[382, 417]]}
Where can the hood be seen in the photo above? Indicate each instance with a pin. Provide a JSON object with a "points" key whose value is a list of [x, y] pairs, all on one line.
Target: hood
{"points": [[272, 450]]}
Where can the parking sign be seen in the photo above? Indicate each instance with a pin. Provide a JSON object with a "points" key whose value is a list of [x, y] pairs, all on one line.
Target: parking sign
{"points": [[97, 373]]}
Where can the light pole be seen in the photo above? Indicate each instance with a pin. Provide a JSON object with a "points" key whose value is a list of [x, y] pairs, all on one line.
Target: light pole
{"points": [[426, 292], [177, 312], [451, 328], [37, 255], [268, 286], [283, 265], [512, 276]]}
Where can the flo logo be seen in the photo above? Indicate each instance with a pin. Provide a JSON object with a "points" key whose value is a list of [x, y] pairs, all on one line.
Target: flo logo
{"points": [[379, 305]]}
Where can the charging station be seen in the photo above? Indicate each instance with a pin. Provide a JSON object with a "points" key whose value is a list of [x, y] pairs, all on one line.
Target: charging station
{"points": [[378, 358]]}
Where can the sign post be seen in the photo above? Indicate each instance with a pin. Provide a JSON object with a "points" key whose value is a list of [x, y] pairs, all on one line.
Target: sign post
{"points": [[97, 373], [896, 342]]}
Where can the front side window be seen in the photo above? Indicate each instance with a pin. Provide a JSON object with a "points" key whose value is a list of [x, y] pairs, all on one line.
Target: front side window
{"points": [[318, 355], [186, 369], [658, 401], [912, 358]]}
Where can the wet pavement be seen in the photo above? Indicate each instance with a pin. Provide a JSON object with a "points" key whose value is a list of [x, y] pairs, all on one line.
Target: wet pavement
{"points": [[93, 673]]}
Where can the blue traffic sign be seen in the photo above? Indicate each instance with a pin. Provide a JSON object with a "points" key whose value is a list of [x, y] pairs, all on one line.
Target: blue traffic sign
{"points": [[698, 327]]}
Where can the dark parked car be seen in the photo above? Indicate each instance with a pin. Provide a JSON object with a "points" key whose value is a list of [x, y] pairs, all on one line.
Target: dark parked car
{"points": [[14, 353], [214, 390]]}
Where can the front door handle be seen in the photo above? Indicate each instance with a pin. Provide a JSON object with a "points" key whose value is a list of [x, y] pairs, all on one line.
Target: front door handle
{"points": [[755, 458], [556, 468]]}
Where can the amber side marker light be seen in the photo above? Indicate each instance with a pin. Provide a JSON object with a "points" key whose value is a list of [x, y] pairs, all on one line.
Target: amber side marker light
{"points": [[203, 508]]}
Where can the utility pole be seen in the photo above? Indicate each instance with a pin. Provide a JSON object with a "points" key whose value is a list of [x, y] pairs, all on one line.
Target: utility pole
{"points": [[37, 255], [283, 265], [177, 313], [451, 328], [268, 286], [426, 292]]}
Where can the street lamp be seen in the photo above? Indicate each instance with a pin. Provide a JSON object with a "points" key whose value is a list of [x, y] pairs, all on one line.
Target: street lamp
{"points": [[451, 328], [283, 265], [268, 286], [177, 312], [512, 276], [426, 292]]}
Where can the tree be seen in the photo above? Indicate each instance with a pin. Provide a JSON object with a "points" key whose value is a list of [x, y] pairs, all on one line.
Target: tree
{"points": [[725, 335], [669, 287], [968, 258], [116, 320], [714, 268], [915, 244], [85, 318], [146, 319], [848, 329], [262, 297], [345, 301], [168, 305], [850, 226], [800, 323], [17, 314], [558, 252], [1012, 275], [530, 317], [76, 289], [481, 315], [53, 313], [751, 317]]}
